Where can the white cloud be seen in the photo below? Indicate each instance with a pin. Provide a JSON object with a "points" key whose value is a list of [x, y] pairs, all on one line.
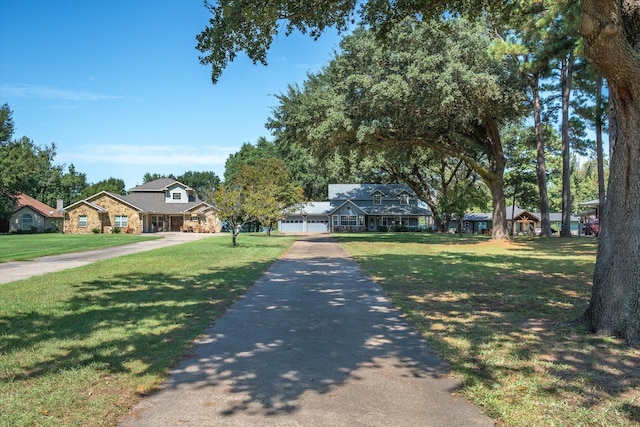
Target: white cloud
{"points": [[149, 155], [48, 92]]}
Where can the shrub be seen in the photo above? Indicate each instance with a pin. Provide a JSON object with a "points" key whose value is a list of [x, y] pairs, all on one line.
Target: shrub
{"points": [[116, 230], [95, 230]]}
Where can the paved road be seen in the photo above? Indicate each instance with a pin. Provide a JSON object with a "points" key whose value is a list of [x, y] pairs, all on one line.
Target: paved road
{"points": [[314, 342], [10, 271]]}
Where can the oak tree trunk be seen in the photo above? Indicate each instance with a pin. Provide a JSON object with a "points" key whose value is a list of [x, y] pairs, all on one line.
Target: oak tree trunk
{"points": [[499, 228], [611, 31], [495, 181]]}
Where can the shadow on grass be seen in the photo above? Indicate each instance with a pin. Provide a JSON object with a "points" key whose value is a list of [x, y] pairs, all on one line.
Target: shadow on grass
{"points": [[518, 306], [129, 319]]}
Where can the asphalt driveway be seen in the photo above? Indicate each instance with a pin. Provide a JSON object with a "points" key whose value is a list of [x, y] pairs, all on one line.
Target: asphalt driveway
{"points": [[314, 342]]}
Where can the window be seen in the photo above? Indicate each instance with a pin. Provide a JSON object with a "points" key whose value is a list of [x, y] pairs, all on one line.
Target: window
{"points": [[121, 221], [82, 221], [26, 222], [404, 199], [348, 220], [176, 196], [157, 223], [377, 199]]}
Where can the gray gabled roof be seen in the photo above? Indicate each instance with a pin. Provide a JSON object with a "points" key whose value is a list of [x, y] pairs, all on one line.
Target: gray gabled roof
{"points": [[366, 191], [161, 184], [151, 202], [312, 208]]}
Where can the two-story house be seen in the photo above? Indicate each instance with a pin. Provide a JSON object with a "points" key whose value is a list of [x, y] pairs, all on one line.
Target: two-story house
{"points": [[160, 205], [359, 207]]}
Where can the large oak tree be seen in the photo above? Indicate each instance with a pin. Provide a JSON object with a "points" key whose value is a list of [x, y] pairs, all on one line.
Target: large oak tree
{"points": [[433, 85], [611, 31]]}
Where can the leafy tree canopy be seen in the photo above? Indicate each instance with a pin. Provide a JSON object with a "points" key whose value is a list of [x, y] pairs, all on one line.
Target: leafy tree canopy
{"points": [[268, 190], [112, 185], [250, 26], [437, 88], [261, 191]]}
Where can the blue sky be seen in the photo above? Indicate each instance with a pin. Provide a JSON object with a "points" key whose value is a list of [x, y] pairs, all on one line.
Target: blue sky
{"points": [[117, 85]]}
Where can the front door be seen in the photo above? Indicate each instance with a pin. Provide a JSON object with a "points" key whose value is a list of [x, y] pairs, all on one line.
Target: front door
{"points": [[176, 223]]}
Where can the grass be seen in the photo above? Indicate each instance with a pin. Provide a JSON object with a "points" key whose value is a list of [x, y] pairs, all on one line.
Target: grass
{"points": [[81, 346], [24, 247], [503, 316]]}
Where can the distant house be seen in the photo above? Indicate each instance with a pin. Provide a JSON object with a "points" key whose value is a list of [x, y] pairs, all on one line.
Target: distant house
{"points": [[161, 205], [360, 207], [31, 215], [520, 221]]}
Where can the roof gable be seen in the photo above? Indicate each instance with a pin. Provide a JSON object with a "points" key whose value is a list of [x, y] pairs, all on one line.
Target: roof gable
{"points": [[366, 191], [350, 206], [119, 197], [159, 185], [89, 201], [85, 202]]}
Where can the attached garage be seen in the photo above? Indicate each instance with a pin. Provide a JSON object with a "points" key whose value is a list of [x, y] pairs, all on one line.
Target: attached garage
{"points": [[308, 218], [305, 224]]}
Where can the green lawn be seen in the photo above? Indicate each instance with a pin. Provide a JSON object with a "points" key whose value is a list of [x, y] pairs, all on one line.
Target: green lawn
{"points": [[23, 247], [503, 315], [79, 347]]}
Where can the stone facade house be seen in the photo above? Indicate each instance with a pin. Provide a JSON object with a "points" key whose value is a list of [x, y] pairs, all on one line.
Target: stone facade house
{"points": [[33, 216], [160, 205], [360, 207]]}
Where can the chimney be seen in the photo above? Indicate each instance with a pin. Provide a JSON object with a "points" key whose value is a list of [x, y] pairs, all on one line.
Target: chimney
{"points": [[59, 205]]}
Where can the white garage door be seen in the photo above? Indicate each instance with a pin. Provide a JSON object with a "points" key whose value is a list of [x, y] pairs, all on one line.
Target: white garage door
{"points": [[298, 225], [317, 224], [292, 224]]}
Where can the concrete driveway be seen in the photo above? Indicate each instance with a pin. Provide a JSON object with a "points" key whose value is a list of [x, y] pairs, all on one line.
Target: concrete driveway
{"points": [[315, 342], [17, 270]]}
